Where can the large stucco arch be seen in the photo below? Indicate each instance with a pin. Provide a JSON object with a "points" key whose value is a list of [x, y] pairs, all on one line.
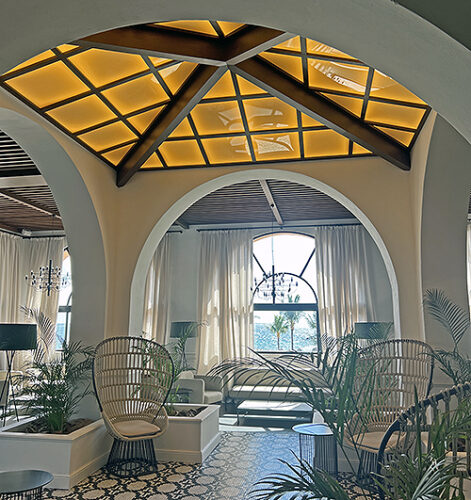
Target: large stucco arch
{"points": [[168, 218], [79, 218]]}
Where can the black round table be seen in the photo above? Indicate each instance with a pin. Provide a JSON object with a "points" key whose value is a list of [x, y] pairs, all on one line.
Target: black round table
{"points": [[318, 446], [25, 484]]}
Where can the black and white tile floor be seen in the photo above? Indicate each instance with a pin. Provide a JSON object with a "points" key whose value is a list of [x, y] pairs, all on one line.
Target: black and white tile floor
{"points": [[227, 474]]}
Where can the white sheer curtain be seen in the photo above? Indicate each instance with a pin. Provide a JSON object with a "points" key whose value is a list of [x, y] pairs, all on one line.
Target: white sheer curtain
{"points": [[343, 279], [36, 253], [18, 256], [11, 259], [225, 298], [158, 293]]}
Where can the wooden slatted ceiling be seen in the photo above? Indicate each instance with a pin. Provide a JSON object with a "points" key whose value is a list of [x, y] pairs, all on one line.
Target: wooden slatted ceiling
{"points": [[13, 159], [18, 216], [246, 202]]}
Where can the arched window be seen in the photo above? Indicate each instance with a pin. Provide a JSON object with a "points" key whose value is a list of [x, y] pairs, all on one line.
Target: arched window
{"points": [[65, 305], [284, 293]]}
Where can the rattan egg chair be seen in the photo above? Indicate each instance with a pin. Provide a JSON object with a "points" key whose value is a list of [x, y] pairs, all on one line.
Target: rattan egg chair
{"points": [[132, 378], [401, 437], [398, 370]]}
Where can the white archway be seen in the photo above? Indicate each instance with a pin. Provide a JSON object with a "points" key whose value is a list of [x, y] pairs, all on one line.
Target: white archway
{"points": [[164, 223], [79, 219]]}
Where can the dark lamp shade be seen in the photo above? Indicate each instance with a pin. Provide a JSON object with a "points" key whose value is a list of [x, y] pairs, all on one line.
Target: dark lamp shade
{"points": [[179, 328], [18, 336], [370, 329]]}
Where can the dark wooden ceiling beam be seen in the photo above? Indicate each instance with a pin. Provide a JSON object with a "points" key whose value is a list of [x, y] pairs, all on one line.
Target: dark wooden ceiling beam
{"points": [[251, 41], [289, 90], [186, 46], [191, 92], [159, 42], [27, 203]]}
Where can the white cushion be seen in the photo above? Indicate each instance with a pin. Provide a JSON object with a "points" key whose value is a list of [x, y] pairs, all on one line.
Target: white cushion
{"points": [[187, 374], [136, 428], [212, 397]]}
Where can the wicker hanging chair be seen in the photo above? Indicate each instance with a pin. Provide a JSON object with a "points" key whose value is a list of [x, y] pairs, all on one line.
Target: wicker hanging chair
{"points": [[132, 378]]}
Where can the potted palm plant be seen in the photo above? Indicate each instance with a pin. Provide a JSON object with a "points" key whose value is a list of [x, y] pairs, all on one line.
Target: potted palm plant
{"points": [[52, 438]]}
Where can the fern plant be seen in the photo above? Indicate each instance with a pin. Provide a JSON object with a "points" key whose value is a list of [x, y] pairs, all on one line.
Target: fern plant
{"points": [[456, 323]]}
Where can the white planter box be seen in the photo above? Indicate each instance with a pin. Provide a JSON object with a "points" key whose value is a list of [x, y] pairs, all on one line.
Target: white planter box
{"points": [[69, 458], [189, 439]]}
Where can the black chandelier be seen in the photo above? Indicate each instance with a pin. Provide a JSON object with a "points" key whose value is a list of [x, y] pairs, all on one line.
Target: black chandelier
{"points": [[48, 279]]}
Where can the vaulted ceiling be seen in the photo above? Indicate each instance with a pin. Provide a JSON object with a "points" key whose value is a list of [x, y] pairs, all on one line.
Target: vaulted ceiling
{"points": [[192, 94]]}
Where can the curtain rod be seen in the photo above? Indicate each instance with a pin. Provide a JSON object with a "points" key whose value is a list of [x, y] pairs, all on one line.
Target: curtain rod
{"points": [[31, 236], [278, 228]]}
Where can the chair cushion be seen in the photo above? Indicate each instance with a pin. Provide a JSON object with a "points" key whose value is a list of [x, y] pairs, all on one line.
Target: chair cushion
{"points": [[212, 397], [265, 392], [185, 375], [136, 428]]}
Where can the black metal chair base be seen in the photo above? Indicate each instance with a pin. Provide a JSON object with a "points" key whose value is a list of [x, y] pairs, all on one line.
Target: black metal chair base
{"points": [[132, 458], [34, 494]]}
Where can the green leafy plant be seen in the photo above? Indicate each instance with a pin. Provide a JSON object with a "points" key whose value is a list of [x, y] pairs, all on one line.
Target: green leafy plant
{"points": [[54, 388], [456, 323], [278, 327], [292, 318], [46, 332]]}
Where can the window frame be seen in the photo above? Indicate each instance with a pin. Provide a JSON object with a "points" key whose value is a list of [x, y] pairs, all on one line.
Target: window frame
{"points": [[287, 306]]}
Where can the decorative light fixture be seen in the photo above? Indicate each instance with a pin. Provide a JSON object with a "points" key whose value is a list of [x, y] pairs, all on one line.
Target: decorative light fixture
{"points": [[275, 285], [48, 278]]}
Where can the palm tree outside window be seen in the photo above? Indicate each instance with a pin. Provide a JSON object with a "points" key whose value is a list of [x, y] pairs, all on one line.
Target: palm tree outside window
{"points": [[284, 293]]}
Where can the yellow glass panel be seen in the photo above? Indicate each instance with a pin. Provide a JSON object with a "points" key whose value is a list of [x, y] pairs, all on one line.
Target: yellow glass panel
{"points": [[247, 88], [386, 87], [136, 94], [217, 117], [82, 114], [227, 149], [270, 147], [337, 76], [291, 44], [104, 66], [143, 120], [393, 114], [359, 150], [158, 61], [153, 162], [222, 88], [174, 76], [401, 136], [289, 64], [314, 47], [40, 57], [203, 27], [183, 129], [269, 114], [181, 153], [116, 155], [228, 28], [48, 85], [324, 143], [307, 121], [108, 136], [351, 104], [66, 47]]}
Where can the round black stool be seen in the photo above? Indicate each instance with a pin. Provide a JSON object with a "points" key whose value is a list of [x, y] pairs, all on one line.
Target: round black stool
{"points": [[25, 484], [318, 447]]}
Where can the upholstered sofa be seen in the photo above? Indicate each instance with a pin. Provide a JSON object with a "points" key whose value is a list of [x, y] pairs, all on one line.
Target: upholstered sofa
{"points": [[200, 389]]}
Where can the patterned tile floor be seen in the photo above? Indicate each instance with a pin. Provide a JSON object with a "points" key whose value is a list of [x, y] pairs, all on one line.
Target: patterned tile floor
{"points": [[227, 474]]}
